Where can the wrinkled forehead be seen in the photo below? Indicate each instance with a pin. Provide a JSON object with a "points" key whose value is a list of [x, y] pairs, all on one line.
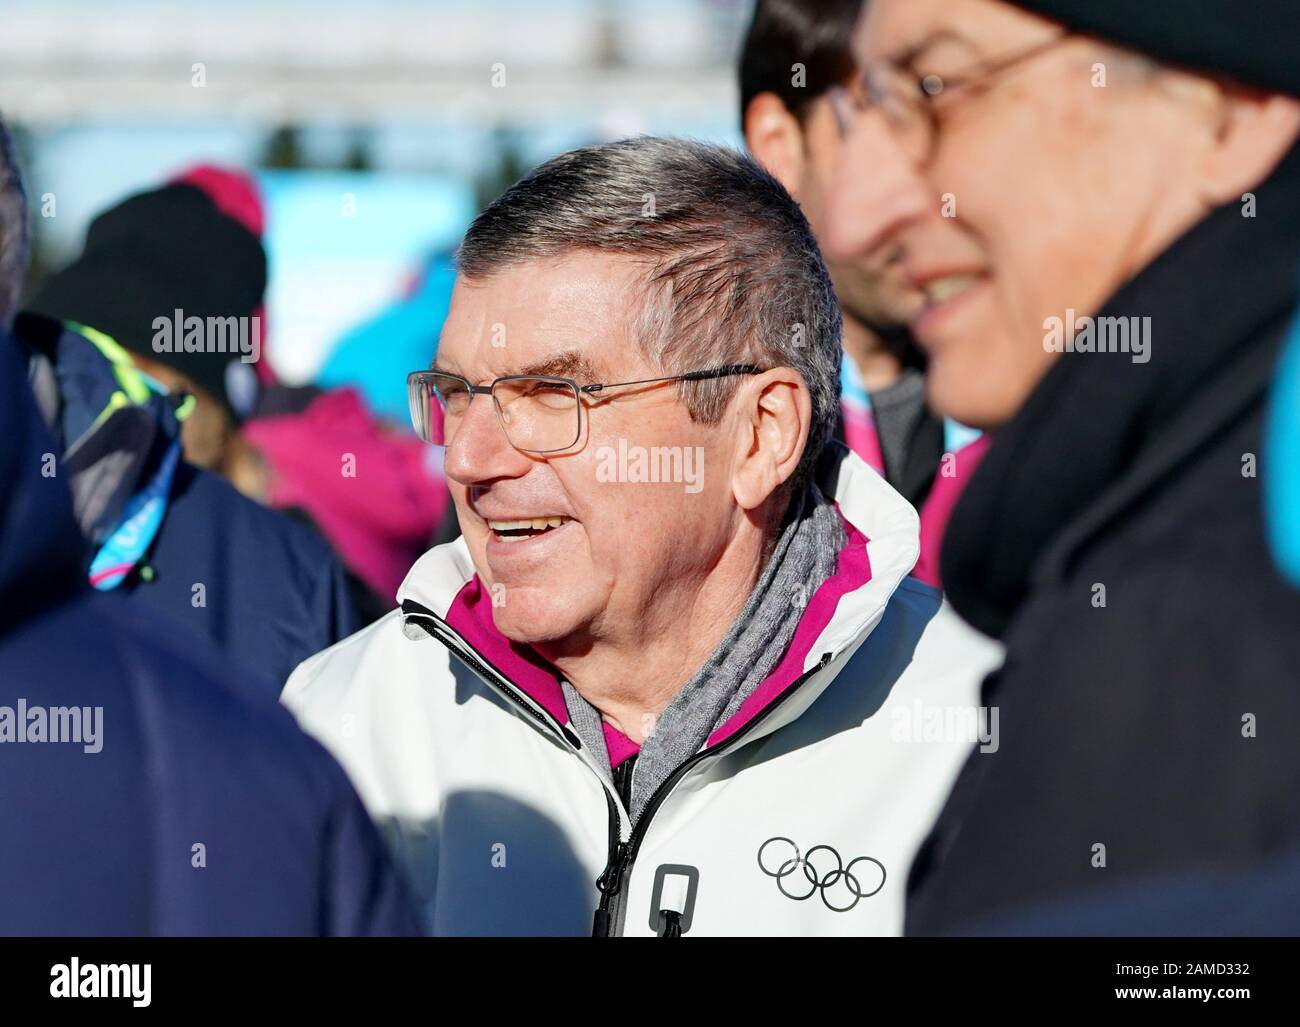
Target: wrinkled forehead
{"points": [[573, 316], [900, 31]]}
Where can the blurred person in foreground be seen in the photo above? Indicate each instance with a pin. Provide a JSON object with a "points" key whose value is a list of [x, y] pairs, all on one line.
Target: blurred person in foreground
{"points": [[145, 786], [674, 677], [795, 56], [1109, 298], [174, 538]]}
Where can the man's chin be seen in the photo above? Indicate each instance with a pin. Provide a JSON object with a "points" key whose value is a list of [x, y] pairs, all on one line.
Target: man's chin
{"points": [[530, 623], [974, 392]]}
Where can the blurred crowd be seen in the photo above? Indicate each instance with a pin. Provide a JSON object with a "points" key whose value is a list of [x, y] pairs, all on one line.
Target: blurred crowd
{"points": [[929, 503]]}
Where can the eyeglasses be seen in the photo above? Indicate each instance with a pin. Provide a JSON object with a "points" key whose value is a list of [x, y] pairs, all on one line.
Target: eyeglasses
{"points": [[538, 413], [907, 100]]}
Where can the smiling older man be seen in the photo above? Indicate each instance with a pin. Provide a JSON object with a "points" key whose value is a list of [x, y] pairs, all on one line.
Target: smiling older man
{"points": [[1108, 239], [674, 677]]}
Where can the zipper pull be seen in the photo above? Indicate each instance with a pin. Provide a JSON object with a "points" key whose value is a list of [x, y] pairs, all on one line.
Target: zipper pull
{"points": [[608, 884], [609, 880]]}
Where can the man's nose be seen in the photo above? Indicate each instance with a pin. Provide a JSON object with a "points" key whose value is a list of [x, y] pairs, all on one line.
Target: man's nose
{"points": [[478, 449], [876, 191]]}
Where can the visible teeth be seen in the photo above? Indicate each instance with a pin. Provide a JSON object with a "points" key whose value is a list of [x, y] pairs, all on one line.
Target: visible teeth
{"points": [[531, 524], [940, 289]]}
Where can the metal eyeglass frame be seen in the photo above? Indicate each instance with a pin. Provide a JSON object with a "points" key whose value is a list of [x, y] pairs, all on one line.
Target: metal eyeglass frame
{"points": [[422, 377], [867, 93]]}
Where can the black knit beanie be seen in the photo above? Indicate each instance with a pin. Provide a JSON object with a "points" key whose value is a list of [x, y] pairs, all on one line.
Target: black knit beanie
{"points": [[1256, 42], [152, 255]]}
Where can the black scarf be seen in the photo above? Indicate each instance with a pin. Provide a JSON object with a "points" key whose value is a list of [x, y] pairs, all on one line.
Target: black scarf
{"points": [[1099, 429]]}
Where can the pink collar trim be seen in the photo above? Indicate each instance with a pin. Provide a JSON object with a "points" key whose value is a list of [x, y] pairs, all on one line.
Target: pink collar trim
{"points": [[470, 616]]}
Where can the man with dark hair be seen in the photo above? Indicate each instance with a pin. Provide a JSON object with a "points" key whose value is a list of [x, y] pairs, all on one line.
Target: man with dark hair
{"points": [[797, 50], [676, 610], [796, 58]]}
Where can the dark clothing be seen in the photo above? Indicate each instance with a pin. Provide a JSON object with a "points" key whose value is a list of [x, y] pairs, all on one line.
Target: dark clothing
{"points": [[367, 603], [911, 438], [104, 843], [194, 805], [267, 592], [1113, 539], [1261, 902], [274, 591]]}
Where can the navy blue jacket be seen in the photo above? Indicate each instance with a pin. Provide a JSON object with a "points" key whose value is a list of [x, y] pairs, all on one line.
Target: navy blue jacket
{"points": [[274, 592], [191, 803]]}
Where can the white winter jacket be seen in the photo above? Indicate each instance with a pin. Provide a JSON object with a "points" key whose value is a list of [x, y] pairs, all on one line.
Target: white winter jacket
{"points": [[799, 816]]}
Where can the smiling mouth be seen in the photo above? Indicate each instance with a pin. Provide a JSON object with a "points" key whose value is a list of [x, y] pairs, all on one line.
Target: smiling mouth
{"points": [[533, 527], [940, 290]]}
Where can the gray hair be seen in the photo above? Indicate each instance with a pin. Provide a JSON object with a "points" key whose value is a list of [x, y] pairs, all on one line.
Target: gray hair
{"points": [[13, 229], [734, 274]]}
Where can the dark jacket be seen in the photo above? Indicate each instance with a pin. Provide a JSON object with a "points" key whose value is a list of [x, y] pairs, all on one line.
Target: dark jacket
{"points": [[196, 806], [266, 591], [1161, 725], [1260, 901]]}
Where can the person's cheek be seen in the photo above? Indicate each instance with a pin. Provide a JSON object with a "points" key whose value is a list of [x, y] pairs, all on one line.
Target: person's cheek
{"points": [[600, 506]]}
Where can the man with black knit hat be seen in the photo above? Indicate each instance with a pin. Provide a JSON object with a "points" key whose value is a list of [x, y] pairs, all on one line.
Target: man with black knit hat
{"points": [[172, 538], [1108, 244]]}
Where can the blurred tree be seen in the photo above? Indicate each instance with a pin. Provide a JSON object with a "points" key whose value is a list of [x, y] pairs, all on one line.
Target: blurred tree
{"points": [[509, 167], [607, 52], [283, 149], [357, 157]]}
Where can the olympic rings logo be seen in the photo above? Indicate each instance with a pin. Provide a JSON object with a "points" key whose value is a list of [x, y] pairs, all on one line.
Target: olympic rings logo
{"points": [[839, 886]]}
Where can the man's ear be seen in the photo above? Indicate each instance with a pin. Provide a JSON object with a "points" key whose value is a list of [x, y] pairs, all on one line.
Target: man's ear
{"points": [[1256, 131], [774, 415], [775, 138]]}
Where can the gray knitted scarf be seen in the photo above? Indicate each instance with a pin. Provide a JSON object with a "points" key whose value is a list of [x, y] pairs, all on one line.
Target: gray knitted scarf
{"points": [[805, 556]]}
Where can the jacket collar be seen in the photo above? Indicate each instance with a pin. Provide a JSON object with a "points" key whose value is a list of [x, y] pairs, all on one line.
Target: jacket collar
{"points": [[113, 426], [1100, 431], [881, 550]]}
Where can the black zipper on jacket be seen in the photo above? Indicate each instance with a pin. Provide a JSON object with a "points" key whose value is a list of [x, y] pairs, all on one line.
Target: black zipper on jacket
{"points": [[610, 881], [622, 854]]}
